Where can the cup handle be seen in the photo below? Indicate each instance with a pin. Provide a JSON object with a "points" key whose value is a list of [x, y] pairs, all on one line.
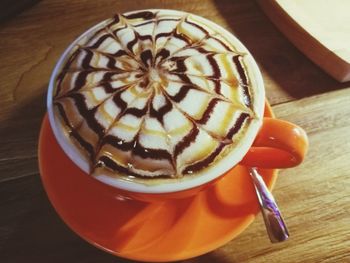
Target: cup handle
{"points": [[279, 144]]}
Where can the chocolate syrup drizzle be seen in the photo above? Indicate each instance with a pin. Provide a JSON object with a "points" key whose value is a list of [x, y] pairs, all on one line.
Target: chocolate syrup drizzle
{"points": [[147, 57]]}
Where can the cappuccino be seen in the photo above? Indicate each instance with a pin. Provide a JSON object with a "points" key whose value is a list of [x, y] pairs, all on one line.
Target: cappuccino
{"points": [[158, 95]]}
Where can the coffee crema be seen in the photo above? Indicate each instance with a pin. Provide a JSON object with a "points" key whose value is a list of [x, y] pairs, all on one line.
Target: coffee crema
{"points": [[155, 94]]}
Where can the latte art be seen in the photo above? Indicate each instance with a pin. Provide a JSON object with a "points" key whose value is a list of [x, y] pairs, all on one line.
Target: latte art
{"points": [[155, 94]]}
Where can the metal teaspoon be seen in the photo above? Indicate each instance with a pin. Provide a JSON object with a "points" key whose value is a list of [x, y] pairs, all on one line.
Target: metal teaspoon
{"points": [[275, 226]]}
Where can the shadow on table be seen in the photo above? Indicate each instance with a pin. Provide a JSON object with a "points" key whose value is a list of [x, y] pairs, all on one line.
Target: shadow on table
{"points": [[32, 232], [19, 132], [277, 57], [10, 8]]}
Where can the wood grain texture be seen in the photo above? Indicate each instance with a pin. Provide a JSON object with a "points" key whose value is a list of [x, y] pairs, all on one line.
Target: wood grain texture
{"points": [[314, 196], [10, 8], [319, 29]]}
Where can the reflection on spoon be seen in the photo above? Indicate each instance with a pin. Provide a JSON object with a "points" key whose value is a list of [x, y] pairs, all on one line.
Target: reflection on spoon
{"points": [[275, 226]]}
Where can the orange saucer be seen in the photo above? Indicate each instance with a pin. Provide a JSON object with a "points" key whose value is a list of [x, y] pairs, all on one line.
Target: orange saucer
{"points": [[167, 231]]}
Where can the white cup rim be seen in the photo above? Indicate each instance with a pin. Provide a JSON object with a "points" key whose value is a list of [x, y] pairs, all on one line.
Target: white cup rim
{"points": [[177, 184]]}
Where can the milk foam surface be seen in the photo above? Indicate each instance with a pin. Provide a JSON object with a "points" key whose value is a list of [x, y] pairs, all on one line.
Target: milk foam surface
{"points": [[155, 94]]}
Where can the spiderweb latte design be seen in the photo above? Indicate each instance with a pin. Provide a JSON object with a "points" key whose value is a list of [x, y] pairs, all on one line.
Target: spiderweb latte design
{"points": [[154, 94]]}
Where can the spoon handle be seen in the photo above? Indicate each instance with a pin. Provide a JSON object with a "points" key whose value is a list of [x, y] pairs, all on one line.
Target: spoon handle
{"points": [[275, 226]]}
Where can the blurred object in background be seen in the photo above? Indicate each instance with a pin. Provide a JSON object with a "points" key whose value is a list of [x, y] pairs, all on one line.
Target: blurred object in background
{"points": [[318, 28], [10, 8]]}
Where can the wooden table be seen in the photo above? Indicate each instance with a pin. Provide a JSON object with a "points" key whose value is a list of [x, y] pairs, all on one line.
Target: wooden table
{"points": [[315, 197]]}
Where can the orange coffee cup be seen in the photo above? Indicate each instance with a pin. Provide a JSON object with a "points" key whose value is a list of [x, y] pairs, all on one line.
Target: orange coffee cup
{"points": [[277, 143]]}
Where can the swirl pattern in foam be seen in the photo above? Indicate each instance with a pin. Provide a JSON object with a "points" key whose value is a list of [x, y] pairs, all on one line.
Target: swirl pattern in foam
{"points": [[155, 94]]}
